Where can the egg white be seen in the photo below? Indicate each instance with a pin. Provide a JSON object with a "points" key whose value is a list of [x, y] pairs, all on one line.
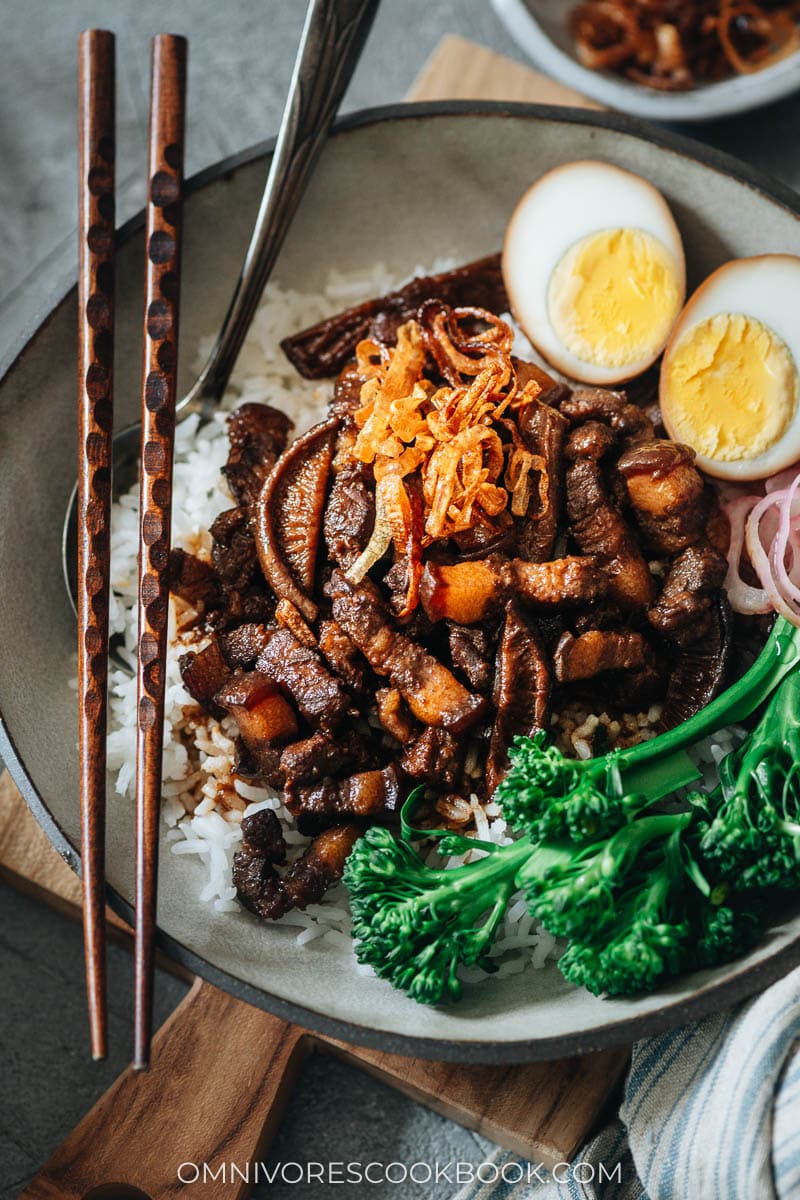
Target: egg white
{"points": [[766, 288], [564, 206]]}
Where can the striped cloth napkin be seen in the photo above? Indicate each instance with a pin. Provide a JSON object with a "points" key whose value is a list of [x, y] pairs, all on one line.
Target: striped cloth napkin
{"points": [[711, 1112]]}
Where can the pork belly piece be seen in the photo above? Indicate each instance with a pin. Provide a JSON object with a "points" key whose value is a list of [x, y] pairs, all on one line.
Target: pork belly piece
{"points": [[471, 653], [234, 550], [261, 889], [667, 494], [350, 511], [322, 865], [288, 516], [591, 440], [613, 408], [433, 693], [469, 592], [553, 390], [394, 716], [323, 350], [261, 711], [349, 514], [287, 615], [258, 435], [549, 586], [343, 657], [599, 650], [262, 830], [599, 528], [234, 557], [194, 580], [544, 432], [299, 670], [521, 694], [368, 796], [685, 606], [242, 645], [266, 721], [315, 757], [495, 536], [435, 757], [203, 673]]}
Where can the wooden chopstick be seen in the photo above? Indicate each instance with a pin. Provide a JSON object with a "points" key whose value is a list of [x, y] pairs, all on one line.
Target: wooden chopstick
{"points": [[162, 278], [95, 420]]}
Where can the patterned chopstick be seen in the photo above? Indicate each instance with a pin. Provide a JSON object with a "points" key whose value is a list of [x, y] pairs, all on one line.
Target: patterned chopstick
{"points": [[95, 420], [162, 287]]}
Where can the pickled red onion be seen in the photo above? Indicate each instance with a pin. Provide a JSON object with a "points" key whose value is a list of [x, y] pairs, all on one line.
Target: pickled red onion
{"points": [[786, 539], [770, 527], [743, 597]]}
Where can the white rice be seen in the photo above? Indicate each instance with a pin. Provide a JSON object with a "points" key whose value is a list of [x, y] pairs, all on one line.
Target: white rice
{"points": [[203, 803]]}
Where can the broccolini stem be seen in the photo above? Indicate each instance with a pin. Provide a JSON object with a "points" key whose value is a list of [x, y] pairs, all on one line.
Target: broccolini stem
{"points": [[455, 884], [607, 857], [768, 761], [779, 656]]}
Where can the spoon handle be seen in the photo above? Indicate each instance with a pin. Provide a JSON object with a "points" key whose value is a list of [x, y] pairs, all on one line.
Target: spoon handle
{"points": [[333, 38]]}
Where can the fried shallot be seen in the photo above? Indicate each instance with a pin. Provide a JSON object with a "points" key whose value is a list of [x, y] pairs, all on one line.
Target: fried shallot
{"points": [[674, 45]]}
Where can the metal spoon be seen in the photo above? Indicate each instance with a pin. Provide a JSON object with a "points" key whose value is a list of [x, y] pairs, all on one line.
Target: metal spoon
{"points": [[333, 38]]}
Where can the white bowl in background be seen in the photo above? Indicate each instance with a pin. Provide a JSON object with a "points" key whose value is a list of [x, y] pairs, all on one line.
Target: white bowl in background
{"points": [[540, 28]]}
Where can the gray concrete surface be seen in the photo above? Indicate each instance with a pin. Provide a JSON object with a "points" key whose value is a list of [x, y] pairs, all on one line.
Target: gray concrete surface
{"points": [[240, 61]]}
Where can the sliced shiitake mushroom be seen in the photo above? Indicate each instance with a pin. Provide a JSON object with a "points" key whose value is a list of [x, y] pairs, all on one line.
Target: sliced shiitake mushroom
{"points": [[288, 516], [324, 349], [700, 669]]}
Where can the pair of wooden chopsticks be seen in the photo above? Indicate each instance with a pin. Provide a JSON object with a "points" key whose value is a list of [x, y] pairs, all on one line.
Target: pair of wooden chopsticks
{"points": [[96, 231]]}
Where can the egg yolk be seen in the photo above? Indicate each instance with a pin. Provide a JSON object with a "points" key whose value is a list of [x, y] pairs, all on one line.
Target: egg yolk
{"points": [[731, 387], [614, 297]]}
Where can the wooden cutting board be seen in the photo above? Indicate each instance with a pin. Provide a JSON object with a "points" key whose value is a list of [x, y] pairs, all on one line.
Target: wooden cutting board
{"points": [[208, 1097], [460, 69]]}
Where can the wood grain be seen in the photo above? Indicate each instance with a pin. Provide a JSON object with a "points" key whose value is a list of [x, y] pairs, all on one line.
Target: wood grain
{"points": [[460, 69], [542, 1111], [96, 233], [159, 372]]}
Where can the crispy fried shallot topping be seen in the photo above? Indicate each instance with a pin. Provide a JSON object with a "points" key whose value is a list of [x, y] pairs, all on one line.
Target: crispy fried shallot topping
{"points": [[445, 456], [671, 45]]}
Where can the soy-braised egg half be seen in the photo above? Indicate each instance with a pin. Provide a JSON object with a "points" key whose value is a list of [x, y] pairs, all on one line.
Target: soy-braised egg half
{"points": [[594, 268], [729, 383]]}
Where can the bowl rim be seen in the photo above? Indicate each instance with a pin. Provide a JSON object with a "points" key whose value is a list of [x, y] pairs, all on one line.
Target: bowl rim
{"points": [[707, 102], [705, 999]]}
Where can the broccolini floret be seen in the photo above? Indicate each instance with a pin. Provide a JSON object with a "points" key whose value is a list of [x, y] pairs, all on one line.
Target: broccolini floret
{"points": [[574, 890], [649, 936], [671, 919], [754, 836], [728, 929], [414, 924], [630, 904]]}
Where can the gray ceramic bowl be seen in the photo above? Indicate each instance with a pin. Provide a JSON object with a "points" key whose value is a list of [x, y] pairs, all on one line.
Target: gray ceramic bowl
{"points": [[403, 186], [540, 27]]}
